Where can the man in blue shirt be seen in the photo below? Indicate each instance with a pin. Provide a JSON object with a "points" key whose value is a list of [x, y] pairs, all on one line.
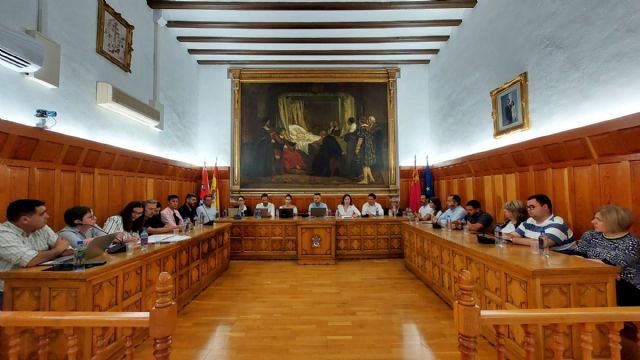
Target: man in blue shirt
{"points": [[454, 212], [317, 203]]}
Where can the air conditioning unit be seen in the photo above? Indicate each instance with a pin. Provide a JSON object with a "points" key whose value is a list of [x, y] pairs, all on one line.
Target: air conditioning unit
{"points": [[19, 51], [114, 99]]}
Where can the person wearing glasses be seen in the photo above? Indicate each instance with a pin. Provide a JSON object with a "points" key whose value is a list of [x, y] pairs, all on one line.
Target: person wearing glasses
{"points": [[80, 225], [542, 221], [207, 212], [129, 220]]}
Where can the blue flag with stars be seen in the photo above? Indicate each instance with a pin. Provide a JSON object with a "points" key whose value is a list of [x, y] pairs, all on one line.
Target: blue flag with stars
{"points": [[428, 185]]}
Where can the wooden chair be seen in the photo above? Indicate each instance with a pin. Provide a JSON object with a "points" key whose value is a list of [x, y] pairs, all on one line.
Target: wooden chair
{"points": [[161, 322], [469, 319]]}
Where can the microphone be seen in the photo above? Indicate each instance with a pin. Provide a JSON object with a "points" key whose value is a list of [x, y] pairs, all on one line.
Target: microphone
{"points": [[80, 223]]}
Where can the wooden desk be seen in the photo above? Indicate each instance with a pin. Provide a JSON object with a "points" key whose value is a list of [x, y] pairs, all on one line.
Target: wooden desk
{"points": [[124, 283], [511, 278], [361, 238]]}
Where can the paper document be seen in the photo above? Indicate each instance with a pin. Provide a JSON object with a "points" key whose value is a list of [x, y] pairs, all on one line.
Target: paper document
{"points": [[167, 238]]}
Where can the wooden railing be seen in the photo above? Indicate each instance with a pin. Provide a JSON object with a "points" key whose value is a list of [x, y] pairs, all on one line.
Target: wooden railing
{"points": [[161, 322], [469, 319]]}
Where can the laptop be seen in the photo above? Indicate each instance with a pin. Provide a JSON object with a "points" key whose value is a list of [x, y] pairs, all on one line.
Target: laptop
{"points": [[96, 247], [233, 212], [285, 213], [318, 212], [264, 212]]}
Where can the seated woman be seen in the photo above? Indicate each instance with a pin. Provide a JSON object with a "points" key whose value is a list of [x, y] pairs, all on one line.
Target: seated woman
{"points": [[289, 205], [81, 225], [436, 205], [243, 209], [130, 219], [515, 211], [394, 209], [612, 243], [346, 208]]}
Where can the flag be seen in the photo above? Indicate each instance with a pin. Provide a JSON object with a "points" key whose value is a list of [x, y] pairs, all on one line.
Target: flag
{"points": [[204, 188], [428, 185], [214, 185], [414, 195]]}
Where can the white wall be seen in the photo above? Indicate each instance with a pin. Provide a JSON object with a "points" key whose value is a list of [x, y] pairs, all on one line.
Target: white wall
{"points": [[73, 26], [582, 57], [215, 114]]}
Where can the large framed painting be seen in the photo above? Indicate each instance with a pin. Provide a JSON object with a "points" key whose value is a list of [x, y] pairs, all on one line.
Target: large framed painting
{"points": [[115, 36], [510, 106], [309, 130]]}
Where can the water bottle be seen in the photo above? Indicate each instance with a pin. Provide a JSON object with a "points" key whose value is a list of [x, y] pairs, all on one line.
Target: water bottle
{"points": [[144, 239], [78, 256], [258, 214], [541, 248], [185, 225], [197, 224], [224, 213], [277, 213], [497, 233]]}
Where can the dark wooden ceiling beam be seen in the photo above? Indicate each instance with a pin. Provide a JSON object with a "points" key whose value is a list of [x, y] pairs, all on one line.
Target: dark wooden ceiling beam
{"points": [[312, 25], [289, 40], [311, 6], [312, 52], [312, 62]]}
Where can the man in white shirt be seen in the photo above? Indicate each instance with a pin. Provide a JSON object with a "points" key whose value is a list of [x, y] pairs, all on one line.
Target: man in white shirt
{"points": [[425, 212], [317, 203], [371, 207], [454, 212], [265, 204], [207, 212], [25, 238]]}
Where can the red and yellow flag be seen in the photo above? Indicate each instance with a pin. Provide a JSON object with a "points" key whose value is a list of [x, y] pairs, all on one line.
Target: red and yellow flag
{"points": [[214, 185], [414, 195]]}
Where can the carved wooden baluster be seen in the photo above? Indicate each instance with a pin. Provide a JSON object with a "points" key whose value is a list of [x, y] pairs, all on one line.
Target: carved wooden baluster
{"points": [[163, 317], [128, 343], [43, 343], [614, 339], [466, 316], [529, 341], [101, 344], [501, 331], [557, 345], [14, 342], [586, 340], [72, 343]]}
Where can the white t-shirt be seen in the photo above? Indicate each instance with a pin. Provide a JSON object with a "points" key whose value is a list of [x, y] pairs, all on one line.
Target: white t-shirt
{"points": [[350, 211], [425, 210]]}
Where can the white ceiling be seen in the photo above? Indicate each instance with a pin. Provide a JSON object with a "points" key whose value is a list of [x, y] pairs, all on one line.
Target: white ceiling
{"points": [[241, 13]]}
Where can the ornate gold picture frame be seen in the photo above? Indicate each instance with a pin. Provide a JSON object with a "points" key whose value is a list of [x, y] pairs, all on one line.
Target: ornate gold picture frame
{"points": [[510, 106], [302, 131], [115, 36]]}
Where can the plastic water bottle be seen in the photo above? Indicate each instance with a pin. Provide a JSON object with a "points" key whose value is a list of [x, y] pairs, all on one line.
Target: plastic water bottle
{"points": [[277, 214], [224, 214], [144, 239], [497, 233], [185, 225], [78, 256], [258, 214], [197, 224], [541, 248]]}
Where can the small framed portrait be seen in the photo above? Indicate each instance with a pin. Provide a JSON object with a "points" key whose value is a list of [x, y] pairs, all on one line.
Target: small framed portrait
{"points": [[115, 36], [510, 107]]}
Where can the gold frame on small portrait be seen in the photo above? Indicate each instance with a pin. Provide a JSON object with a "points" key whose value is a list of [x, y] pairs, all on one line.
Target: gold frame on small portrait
{"points": [[519, 121], [125, 62]]}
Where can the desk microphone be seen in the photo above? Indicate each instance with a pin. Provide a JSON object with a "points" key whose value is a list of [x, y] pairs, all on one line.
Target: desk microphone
{"points": [[80, 223]]}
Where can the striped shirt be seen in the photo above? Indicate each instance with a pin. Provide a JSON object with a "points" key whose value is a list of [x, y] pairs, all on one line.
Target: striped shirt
{"points": [[17, 248], [554, 228]]}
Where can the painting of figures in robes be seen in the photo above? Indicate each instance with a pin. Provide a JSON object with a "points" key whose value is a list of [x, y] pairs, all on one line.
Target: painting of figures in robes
{"points": [[312, 136]]}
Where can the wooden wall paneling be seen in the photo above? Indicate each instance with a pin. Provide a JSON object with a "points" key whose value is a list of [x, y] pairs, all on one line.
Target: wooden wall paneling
{"points": [[86, 184], [488, 194], [468, 187], [542, 182], [150, 189], [14, 184], [42, 186], [615, 183], [585, 183], [635, 194], [68, 195], [101, 198], [524, 185], [562, 194], [510, 188], [117, 199], [129, 190], [494, 205]]}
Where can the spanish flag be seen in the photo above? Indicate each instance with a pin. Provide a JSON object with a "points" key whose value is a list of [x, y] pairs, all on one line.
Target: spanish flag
{"points": [[214, 185], [415, 192]]}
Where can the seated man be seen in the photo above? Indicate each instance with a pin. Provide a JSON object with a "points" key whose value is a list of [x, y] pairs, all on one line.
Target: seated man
{"points": [[265, 204], [25, 238], [153, 220], [207, 211], [425, 212], [371, 207], [542, 221], [170, 215], [188, 209], [477, 219], [454, 212], [317, 203]]}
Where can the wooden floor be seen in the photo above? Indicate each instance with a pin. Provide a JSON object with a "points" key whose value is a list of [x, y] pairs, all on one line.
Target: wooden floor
{"points": [[370, 309]]}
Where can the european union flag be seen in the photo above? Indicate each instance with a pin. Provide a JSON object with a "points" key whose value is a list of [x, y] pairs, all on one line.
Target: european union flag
{"points": [[428, 185]]}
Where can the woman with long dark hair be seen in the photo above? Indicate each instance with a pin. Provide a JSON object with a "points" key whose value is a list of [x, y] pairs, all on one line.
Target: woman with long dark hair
{"points": [[129, 220]]}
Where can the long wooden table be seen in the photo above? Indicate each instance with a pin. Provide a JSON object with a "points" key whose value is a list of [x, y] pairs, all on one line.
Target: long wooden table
{"points": [[124, 283], [511, 278], [360, 238]]}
